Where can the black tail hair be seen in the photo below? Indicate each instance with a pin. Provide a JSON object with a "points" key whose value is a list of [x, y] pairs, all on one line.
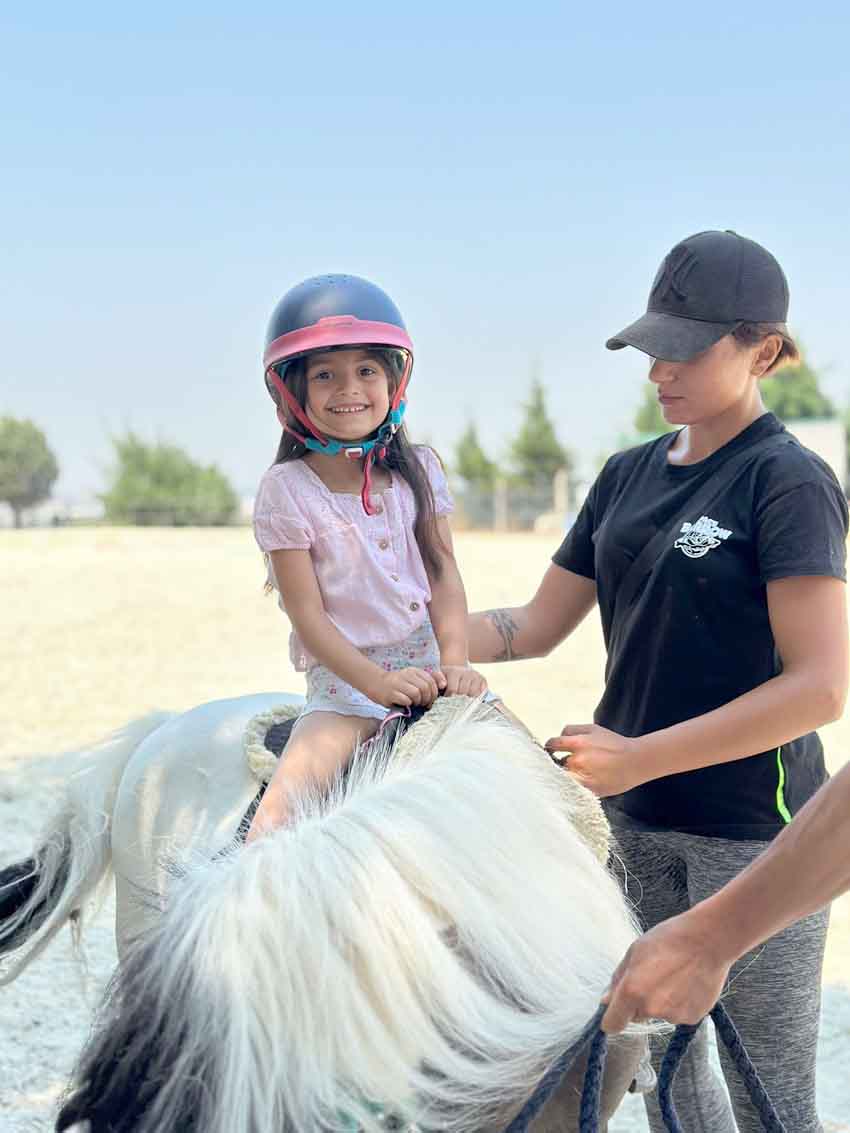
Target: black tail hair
{"points": [[18, 883]]}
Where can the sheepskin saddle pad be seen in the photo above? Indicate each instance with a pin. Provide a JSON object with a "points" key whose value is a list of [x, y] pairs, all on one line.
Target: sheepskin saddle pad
{"points": [[266, 736]]}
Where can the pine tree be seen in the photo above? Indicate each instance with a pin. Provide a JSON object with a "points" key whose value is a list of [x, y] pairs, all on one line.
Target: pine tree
{"points": [[537, 454], [471, 462]]}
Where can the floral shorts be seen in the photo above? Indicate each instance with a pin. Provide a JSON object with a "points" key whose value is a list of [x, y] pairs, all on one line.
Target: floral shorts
{"points": [[326, 692]]}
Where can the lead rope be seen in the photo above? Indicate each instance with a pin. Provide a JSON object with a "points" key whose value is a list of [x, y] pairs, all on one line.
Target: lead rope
{"points": [[592, 1090], [728, 1032], [591, 1094]]}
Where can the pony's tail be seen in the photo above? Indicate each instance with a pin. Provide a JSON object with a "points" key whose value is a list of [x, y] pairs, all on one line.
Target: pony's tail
{"points": [[39, 895]]}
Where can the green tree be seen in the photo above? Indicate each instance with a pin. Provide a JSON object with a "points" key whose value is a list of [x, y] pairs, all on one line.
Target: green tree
{"points": [[793, 393], [536, 453], [649, 420], [471, 462], [159, 484], [28, 469]]}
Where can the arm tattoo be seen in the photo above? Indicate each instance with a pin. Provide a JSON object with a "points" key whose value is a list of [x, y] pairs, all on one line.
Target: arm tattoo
{"points": [[506, 627]]}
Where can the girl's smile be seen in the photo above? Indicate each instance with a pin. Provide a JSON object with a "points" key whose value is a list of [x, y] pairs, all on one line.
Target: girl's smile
{"points": [[347, 393]]}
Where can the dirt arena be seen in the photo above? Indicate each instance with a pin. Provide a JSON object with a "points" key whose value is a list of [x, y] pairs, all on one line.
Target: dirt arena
{"points": [[100, 625]]}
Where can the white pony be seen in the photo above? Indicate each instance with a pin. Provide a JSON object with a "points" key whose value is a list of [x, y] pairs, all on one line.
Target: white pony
{"points": [[414, 951]]}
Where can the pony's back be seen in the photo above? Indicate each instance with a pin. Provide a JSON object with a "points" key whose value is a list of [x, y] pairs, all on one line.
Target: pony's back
{"points": [[424, 940]]}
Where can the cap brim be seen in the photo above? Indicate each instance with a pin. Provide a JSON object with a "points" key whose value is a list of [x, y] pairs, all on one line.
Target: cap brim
{"points": [[670, 337]]}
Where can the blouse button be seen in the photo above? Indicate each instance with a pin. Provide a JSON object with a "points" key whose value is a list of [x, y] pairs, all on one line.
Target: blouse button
{"points": [[394, 577], [414, 605], [384, 543]]}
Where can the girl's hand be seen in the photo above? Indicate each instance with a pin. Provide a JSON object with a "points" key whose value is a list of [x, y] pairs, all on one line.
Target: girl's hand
{"points": [[405, 687], [603, 761], [462, 681]]}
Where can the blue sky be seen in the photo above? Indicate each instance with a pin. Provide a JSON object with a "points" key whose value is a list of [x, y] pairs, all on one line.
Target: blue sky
{"points": [[511, 174]]}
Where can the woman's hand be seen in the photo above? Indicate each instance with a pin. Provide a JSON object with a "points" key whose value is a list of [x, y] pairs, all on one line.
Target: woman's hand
{"points": [[603, 761], [462, 681], [404, 687], [674, 972]]}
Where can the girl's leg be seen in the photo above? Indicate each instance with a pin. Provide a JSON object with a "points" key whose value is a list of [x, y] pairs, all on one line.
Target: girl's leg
{"points": [[319, 745], [773, 997], [655, 878]]}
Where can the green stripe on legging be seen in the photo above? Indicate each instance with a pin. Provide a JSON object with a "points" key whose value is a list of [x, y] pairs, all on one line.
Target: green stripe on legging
{"points": [[780, 789]]}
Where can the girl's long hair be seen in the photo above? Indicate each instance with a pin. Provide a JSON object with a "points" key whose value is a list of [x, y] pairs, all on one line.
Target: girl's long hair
{"points": [[400, 455]]}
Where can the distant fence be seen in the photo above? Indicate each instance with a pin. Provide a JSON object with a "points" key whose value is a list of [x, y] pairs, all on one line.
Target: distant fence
{"points": [[509, 507], [545, 506], [56, 513], [175, 515]]}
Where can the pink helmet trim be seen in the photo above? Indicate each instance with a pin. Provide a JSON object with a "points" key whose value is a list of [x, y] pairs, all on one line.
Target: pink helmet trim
{"points": [[335, 330]]}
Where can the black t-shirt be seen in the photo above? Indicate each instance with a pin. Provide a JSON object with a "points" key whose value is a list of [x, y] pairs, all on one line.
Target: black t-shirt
{"points": [[699, 633]]}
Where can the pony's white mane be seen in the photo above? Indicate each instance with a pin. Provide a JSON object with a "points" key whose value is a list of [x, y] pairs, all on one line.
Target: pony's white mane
{"points": [[428, 938]]}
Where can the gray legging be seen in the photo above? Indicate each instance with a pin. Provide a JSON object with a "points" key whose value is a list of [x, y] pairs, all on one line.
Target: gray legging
{"points": [[773, 997]]}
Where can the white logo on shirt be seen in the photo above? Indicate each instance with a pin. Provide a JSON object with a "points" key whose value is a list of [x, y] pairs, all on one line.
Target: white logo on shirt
{"points": [[697, 539]]}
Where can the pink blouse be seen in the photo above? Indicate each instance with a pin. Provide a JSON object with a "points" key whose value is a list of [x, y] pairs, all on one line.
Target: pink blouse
{"points": [[369, 568]]}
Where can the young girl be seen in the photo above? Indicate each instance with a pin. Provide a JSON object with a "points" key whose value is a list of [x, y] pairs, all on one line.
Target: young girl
{"points": [[716, 555], [353, 520]]}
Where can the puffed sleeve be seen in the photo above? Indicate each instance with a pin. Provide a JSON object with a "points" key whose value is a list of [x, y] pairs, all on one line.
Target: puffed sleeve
{"points": [[437, 478], [280, 523]]}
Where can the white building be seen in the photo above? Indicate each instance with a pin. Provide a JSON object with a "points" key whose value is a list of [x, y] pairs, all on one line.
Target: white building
{"points": [[825, 437]]}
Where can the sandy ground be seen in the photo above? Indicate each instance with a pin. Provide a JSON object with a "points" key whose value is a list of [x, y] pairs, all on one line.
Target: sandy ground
{"points": [[100, 625]]}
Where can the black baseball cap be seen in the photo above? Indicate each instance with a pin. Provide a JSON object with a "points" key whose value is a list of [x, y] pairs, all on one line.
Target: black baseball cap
{"points": [[707, 286]]}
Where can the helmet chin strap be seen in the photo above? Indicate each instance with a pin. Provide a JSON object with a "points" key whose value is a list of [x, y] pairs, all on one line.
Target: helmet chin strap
{"points": [[373, 449], [331, 447], [376, 452]]}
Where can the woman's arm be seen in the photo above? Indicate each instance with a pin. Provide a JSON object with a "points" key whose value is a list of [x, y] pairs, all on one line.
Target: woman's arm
{"points": [[678, 970], [302, 600], [562, 601], [808, 617]]}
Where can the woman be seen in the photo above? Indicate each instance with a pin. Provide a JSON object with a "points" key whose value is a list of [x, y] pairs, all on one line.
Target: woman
{"points": [[717, 557]]}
